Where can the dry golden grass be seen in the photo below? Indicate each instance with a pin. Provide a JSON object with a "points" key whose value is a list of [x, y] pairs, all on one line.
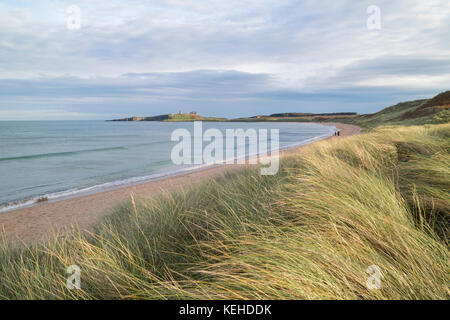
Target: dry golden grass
{"points": [[309, 232]]}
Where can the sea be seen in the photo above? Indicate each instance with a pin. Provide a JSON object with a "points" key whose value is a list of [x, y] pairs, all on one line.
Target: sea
{"points": [[52, 160]]}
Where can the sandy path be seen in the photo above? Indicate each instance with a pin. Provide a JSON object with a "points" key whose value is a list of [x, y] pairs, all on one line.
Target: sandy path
{"points": [[36, 223]]}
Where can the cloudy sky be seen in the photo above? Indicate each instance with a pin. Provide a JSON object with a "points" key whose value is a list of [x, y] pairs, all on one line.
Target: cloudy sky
{"points": [[218, 57]]}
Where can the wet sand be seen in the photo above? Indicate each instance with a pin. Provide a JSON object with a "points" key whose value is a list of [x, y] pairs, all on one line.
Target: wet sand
{"points": [[38, 222]]}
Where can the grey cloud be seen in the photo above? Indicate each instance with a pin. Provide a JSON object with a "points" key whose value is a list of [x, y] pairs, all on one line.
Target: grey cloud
{"points": [[400, 65], [201, 83], [224, 93], [236, 57]]}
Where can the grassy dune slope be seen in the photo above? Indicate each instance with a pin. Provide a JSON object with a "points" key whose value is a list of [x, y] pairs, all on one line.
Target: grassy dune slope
{"points": [[310, 232], [427, 111]]}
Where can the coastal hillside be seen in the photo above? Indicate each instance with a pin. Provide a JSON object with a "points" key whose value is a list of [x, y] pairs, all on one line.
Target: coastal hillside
{"points": [[427, 111], [436, 105]]}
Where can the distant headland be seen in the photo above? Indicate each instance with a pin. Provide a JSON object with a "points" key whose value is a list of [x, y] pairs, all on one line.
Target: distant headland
{"points": [[178, 117], [291, 116]]}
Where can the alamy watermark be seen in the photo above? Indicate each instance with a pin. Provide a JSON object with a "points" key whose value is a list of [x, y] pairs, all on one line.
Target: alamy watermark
{"points": [[374, 20], [190, 148], [74, 18], [374, 280], [74, 279]]}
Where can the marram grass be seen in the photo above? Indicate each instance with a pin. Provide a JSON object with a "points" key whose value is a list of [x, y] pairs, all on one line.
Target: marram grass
{"points": [[309, 232]]}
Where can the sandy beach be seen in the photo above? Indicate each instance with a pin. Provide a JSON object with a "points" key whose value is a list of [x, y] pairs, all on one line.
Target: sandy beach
{"points": [[36, 223]]}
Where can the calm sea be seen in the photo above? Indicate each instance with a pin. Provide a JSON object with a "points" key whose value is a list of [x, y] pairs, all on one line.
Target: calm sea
{"points": [[57, 159]]}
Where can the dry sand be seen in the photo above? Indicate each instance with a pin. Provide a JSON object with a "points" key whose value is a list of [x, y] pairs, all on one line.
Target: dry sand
{"points": [[38, 222]]}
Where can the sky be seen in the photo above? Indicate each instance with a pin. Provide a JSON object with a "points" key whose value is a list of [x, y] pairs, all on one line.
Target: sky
{"points": [[227, 58]]}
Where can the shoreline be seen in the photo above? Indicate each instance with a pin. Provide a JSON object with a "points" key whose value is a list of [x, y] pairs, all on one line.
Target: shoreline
{"points": [[38, 221], [128, 182]]}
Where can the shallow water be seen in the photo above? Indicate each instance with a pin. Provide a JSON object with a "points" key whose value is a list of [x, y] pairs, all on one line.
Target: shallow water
{"points": [[55, 159]]}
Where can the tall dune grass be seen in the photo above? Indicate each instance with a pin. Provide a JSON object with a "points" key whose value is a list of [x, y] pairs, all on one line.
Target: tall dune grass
{"points": [[309, 232]]}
